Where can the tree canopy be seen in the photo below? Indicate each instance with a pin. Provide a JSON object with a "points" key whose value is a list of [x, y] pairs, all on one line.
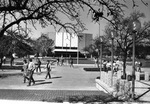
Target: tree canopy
{"points": [[22, 13], [123, 32], [44, 45]]}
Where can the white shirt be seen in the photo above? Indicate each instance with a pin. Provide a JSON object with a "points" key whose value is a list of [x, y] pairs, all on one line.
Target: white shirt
{"points": [[14, 55], [31, 66]]}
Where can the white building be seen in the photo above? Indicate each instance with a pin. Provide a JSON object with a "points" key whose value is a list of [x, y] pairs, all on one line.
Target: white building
{"points": [[69, 44]]}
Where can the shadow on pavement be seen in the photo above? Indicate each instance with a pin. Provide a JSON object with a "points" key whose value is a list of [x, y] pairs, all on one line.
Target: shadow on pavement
{"points": [[39, 80], [42, 83], [148, 90], [143, 94], [56, 77], [11, 67]]}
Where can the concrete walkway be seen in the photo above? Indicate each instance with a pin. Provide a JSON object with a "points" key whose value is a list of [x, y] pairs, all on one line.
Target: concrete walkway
{"points": [[64, 80]]}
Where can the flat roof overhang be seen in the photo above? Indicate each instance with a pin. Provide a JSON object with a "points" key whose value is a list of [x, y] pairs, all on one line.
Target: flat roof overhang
{"points": [[65, 50]]}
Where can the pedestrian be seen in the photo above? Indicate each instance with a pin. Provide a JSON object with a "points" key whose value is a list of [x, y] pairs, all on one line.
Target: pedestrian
{"points": [[71, 62], [140, 65], [12, 59], [108, 65], [38, 65], [58, 61], [25, 71], [136, 65], [4, 59], [48, 69], [62, 61], [31, 68], [104, 65]]}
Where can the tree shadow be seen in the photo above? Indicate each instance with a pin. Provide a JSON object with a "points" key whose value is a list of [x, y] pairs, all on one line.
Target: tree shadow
{"points": [[11, 67]]}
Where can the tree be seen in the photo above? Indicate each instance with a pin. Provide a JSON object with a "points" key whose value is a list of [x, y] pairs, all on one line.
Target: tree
{"points": [[21, 13], [95, 48], [123, 37], [9, 45], [44, 45]]}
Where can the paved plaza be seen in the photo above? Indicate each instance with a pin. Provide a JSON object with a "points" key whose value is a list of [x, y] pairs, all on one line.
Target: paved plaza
{"points": [[65, 81]]}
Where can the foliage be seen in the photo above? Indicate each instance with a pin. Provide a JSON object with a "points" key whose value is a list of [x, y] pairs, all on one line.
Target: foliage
{"points": [[123, 34], [21, 13], [94, 48], [44, 45], [6, 45], [17, 44]]}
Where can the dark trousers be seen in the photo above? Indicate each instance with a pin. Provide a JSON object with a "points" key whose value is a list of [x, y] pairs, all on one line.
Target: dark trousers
{"points": [[38, 68], [48, 75], [31, 78], [25, 77]]}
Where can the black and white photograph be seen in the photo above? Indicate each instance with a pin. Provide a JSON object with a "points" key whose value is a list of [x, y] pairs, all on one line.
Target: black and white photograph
{"points": [[74, 51]]}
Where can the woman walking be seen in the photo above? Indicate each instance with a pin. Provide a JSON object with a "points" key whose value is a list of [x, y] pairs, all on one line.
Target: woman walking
{"points": [[25, 71]]}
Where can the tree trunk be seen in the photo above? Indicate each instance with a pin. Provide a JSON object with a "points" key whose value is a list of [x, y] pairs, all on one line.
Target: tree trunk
{"points": [[98, 58], [1, 60], [124, 65]]}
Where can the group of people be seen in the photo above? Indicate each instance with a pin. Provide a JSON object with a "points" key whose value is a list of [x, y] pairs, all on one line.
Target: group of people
{"points": [[117, 65], [30, 67], [138, 66], [11, 59], [61, 61]]}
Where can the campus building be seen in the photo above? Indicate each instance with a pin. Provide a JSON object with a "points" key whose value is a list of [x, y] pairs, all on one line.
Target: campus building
{"points": [[70, 44]]}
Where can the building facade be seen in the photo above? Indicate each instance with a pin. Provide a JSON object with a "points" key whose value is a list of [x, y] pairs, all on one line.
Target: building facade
{"points": [[67, 45]]}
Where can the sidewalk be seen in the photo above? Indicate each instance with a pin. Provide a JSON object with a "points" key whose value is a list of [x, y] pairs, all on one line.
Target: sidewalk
{"points": [[65, 81], [61, 75]]}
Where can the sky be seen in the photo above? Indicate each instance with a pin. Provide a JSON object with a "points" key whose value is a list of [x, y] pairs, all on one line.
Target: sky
{"points": [[93, 27]]}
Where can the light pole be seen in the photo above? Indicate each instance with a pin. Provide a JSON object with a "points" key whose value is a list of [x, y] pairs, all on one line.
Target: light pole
{"points": [[136, 25], [101, 54], [112, 55], [66, 54], [78, 50]]}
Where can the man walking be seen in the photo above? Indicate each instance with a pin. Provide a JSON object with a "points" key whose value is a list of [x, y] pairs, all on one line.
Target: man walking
{"points": [[31, 68], [48, 68], [38, 67], [71, 62]]}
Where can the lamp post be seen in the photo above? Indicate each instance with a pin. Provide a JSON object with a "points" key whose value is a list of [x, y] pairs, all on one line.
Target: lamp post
{"points": [[112, 55], [101, 54], [78, 50], [66, 54], [136, 25]]}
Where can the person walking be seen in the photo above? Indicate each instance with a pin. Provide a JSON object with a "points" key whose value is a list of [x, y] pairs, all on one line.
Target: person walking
{"points": [[58, 61], [4, 59], [71, 62], [12, 59], [25, 71], [31, 68], [38, 65], [48, 70], [140, 65]]}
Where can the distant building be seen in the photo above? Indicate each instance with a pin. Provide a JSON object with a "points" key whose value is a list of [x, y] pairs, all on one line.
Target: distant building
{"points": [[85, 40], [69, 44]]}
